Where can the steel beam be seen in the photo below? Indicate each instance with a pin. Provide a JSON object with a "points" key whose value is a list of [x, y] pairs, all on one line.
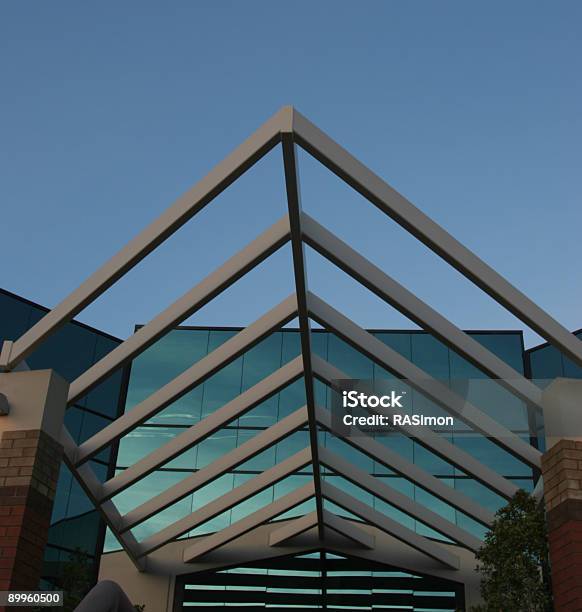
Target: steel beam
{"points": [[216, 469], [431, 440], [228, 500], [348, 529], [391, 360], [389, 526], [190, 378], [196, 433], [238, 529], [192, 202], [205, 291], [395, 294], [280, 536], [91, 486], [343, 527], [379, 489], [397, 207], [300, 274], [396, 462]]}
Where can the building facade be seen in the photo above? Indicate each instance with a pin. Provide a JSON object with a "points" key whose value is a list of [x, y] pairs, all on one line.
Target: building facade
{"points": [[75, 523], [182, 347], [305, 581]]}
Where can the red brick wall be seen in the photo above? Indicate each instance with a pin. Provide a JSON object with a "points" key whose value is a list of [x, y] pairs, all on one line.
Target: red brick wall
{"points": [[29, 469], [562, 471]]}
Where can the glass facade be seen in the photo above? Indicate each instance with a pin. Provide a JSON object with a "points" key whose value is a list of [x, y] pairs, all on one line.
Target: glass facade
{"points": [[75, 524], [298, 580], [183, 346]]}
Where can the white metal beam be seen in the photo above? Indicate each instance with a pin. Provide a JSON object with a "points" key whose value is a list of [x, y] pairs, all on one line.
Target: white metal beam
{"points": [[194, 200], [238, 529], [216, 469], [205, 291], [392, 360], [228, 500], [196, 433], [431, 440], [389, 526], [378, 488], [190, 378], [396, 206], [396, 462], [395, 294]]}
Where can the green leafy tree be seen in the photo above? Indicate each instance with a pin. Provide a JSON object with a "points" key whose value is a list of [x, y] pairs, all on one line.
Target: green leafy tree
{"points": [[77, 579], [514, 559]]}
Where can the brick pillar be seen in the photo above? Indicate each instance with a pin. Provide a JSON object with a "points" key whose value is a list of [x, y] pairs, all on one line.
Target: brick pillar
{"points": [[29, 469], [30, 458], [562, 472]]}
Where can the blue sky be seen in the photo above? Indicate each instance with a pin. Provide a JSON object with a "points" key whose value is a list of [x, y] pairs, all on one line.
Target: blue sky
{"points": [[109, 111]]}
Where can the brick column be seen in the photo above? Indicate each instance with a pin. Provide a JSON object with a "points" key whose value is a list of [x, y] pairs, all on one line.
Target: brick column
{"points": [[30, 458], [29, 469], [562, 472]]}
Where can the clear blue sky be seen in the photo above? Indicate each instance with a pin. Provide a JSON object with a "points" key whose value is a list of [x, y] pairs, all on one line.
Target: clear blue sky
{"points": [[110, 110]]}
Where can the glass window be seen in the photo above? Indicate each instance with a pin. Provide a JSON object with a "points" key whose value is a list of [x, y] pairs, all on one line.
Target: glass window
{"points": [[69, 351], [348, 453], [259, 462], [507, 346], [254, 503], [430, 355], [142, 441], [291, 398], [491, 455], [293, 444], [403, 486], [258, 363], [289, 484], [14, 317], [546, 363], [146, 488], [436, 505], [347, 359], [161, 363], [215, 447]]}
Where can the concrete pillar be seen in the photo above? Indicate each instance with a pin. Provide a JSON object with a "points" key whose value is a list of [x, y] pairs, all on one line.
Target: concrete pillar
{"points": [[30, 458], [562, 474]]}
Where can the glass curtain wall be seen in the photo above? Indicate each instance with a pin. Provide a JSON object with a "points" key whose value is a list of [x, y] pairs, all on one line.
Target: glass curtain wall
{"points": [[184, 346], [75, 524]]}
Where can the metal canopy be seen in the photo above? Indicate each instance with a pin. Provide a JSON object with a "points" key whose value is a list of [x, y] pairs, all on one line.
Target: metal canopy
{"points": [[289, 129]]}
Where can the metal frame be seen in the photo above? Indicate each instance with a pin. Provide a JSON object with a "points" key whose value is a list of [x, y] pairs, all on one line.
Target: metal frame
{"points": [[289, 128]]}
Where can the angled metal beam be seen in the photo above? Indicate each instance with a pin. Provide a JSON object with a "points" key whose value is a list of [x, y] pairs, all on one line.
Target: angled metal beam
{"points": [[194, 200], [205, 291], [396, 462], [343, 527], [434, 442], [228, 500], [238, 529], [196, 433], [390, 526], [378, 488], [390, 359], [300, 273], [395, 294], [190, 378], [216, 469], [91, 486], [396, 206], [293, 528], [348, 529]]}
